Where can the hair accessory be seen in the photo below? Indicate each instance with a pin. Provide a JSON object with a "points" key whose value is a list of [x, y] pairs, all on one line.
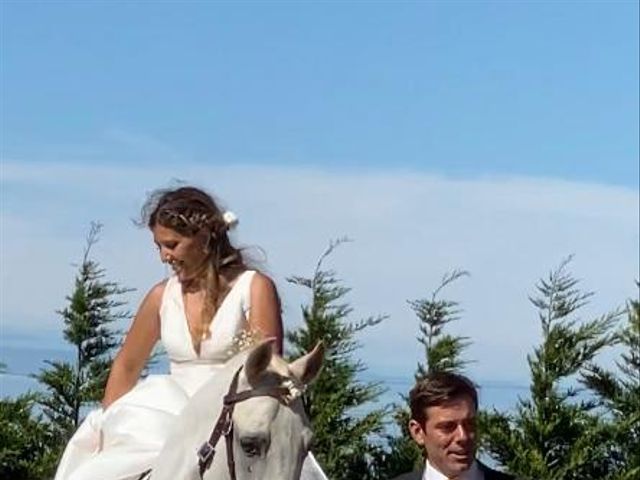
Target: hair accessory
{"points": [[230, 219]]}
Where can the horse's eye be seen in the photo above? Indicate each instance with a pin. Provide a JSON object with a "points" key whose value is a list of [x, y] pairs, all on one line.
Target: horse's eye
{"points": [[252, 446]]}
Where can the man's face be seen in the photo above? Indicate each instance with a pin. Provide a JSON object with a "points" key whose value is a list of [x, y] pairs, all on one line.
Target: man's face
{"points": [[448, 435]]}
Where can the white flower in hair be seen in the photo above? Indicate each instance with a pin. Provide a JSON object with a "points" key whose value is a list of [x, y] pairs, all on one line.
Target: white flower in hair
{"points": [[230, 219]]}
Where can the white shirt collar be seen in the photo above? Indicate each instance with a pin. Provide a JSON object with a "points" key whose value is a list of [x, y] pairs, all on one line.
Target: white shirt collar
{"points": [[474, 473]]}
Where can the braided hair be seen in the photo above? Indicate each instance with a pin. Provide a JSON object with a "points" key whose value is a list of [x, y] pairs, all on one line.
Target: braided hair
{"points": [[190, 211]]}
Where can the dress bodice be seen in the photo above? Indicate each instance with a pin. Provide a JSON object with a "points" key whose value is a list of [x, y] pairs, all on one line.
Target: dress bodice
{"points": [[188, 367]]}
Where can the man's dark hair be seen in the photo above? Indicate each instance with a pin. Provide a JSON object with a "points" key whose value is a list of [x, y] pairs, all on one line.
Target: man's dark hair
{"points": [[438, 388]]}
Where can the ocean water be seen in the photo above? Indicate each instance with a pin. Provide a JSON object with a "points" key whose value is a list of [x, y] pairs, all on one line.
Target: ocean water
{"points": [[23, 361]]}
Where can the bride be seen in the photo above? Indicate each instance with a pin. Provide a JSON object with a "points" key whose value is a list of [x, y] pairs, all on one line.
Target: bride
{"points": [[199, 314]]}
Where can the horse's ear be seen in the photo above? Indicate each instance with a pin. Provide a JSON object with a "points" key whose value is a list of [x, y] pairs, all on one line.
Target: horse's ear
{"points": [[307, 367], [258, 360]]}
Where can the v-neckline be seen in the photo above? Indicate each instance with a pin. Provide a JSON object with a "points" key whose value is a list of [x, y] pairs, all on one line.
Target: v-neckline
{"points": [[186, 319]]}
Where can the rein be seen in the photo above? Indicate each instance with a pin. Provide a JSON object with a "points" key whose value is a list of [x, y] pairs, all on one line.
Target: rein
{"points": [[224, 424]]}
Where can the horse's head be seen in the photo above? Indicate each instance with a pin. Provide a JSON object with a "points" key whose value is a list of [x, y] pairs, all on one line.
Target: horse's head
{"points": [[270, 434]]}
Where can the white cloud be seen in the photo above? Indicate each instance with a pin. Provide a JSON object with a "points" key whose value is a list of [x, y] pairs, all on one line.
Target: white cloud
{"points": [[408, 228]]}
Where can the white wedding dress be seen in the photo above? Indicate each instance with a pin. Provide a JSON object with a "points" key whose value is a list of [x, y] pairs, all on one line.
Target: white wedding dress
{"points": [[122, 441]]}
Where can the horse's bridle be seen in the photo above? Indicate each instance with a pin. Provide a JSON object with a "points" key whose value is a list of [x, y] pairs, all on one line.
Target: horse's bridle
{"points": [[224, 425]]}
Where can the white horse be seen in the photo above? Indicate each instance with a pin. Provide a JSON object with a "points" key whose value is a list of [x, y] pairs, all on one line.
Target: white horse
{"points": [[269, 434]]}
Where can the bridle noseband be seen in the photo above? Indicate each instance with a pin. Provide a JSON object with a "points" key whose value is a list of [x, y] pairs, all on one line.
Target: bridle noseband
{"points": [[224, 425]]}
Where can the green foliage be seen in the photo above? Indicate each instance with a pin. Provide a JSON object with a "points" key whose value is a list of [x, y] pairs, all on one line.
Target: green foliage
{"points": [[92, 309], [554, 435], [25, 441], [402, 454], [618, 394], [443, 352], [342, 436]]}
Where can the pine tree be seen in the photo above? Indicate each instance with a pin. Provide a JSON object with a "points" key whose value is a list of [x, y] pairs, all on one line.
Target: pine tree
{"points": [[336, 402], [93, 307], [27, 446], [553, 435], [442, 352], [619, 398]]}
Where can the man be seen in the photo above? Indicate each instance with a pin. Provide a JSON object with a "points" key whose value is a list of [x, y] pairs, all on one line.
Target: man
{"points": [[443, 416]]}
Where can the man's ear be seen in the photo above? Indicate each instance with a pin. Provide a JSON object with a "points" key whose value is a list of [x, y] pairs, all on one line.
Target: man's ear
{"points": [[417, 432]]}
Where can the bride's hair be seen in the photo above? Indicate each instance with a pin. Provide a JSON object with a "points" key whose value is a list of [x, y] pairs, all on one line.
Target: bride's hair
{"points": [[189, 210]]}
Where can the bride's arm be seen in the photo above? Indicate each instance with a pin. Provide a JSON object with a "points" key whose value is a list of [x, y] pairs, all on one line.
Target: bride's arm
{"points": [[264, 315], [140, 340]]}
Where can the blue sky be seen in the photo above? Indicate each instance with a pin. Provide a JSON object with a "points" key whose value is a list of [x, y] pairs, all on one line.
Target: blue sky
{"points": [[459, 88], [498, 137]]}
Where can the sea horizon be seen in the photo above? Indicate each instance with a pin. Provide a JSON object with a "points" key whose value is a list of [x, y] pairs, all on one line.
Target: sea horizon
{"points": [[22, 362]]}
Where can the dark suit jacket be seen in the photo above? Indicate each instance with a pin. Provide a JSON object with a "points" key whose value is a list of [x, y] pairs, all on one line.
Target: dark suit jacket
{"points": [[488, 474]]}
